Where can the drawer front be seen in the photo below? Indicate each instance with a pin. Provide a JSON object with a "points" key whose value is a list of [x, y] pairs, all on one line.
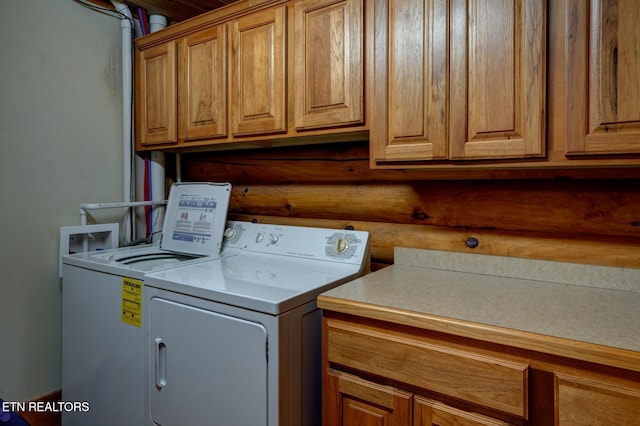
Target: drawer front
{"points": [[491, 382], [589, 401]]}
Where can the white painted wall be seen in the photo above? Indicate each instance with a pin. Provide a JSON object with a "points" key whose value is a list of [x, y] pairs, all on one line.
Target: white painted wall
{"points": [[60, 145]]}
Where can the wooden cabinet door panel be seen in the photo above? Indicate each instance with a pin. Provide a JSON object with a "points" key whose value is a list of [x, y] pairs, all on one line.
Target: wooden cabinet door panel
{"points": [[203, 81], [498, 70], [328, 61], [351, 401], [156, 91], [257, 73], [602, 77], [428, 412], [410, 81], [583, 401]]}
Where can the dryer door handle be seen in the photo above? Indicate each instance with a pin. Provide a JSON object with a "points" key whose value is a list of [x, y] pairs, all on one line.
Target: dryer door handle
{"points": [[161, 363]]}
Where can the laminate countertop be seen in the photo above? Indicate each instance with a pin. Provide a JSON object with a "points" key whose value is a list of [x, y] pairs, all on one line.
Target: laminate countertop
{"points": [[581, 311]]}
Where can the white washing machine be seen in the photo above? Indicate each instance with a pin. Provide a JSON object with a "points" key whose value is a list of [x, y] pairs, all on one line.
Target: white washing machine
{"points": [[237, 341], [102, 334]]}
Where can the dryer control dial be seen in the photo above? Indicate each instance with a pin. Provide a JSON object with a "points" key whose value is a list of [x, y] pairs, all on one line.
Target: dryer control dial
{"points": [[341, 245]]}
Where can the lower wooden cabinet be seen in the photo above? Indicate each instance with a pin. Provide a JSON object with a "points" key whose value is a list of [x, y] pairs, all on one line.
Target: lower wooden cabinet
{"points": [[487, 380], [380, 373], [350, 401], [429, 412], [582, 400]]}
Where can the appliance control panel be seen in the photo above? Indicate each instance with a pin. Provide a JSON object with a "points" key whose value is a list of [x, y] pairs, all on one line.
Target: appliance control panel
{"points": [[348, 246]]}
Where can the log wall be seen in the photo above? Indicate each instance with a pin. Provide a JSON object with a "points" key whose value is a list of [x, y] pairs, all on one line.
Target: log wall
{"points": [[585, 216]]}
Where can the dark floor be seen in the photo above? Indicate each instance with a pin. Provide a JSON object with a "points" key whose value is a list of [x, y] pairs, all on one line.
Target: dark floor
{"points": [[45, 418], [42, 419]]}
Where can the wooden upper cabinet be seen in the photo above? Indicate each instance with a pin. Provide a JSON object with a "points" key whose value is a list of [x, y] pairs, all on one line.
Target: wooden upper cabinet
{"points": [[458, 79], [498, 70], [328, 63], [602, 76], [409, 120], [203, 85], [257, 73], [156, 91]]}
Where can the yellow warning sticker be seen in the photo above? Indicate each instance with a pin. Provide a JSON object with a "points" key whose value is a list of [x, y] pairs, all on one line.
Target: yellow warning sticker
{"points": [[132, 301]]}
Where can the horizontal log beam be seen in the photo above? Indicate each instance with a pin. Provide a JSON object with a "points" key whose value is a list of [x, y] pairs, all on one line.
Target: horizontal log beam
{"points": [[581, 215], [503, 206], [606, 251]]}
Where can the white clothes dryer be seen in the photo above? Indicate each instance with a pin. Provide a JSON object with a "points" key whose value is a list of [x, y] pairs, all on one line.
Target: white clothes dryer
{"points": [[237, 341]]}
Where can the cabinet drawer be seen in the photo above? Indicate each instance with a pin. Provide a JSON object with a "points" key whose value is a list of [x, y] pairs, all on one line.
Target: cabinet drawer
{"points": [[582, 401], [487, 381]]}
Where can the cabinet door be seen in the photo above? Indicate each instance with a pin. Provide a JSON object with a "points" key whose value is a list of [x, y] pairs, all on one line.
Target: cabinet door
{"points": [[156, 102], [214, 373], [498, 64], [203, 82], [428, 412], [328, 60], [409, 108], [352, 401], [584, 401], [257, 73], [602, 76]]}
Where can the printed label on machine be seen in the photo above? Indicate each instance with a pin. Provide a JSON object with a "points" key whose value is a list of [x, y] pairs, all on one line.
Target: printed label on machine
{"points": [[194, 218], [132, 301]]}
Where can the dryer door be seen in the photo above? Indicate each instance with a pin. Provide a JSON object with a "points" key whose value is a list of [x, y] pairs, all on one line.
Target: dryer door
{"points": [[205, 367]]}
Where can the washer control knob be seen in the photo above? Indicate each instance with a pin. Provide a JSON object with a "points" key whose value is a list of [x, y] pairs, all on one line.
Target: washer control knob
{"points": [[259, 237], [273, 238], [230, 233], [341, 245]]}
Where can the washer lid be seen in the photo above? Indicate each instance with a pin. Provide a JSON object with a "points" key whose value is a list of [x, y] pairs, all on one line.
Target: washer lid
{"points": [[195, 218]]}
